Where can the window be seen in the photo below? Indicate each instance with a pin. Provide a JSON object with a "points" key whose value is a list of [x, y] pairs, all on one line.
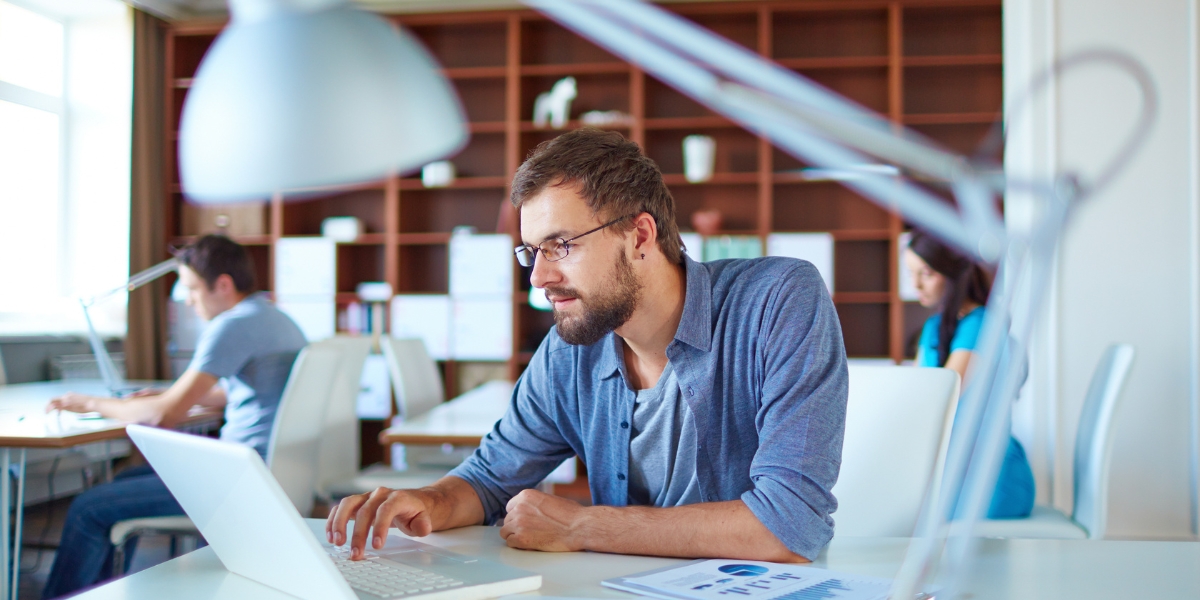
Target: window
{"points": [[65, 102]]}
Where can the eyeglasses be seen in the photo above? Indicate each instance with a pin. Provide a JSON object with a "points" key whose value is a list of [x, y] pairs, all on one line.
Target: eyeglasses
{"points": [[554, 250]]}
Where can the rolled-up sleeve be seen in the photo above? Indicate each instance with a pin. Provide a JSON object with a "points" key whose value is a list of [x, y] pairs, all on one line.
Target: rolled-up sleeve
{"points": [[524, 446], [802, 416]]}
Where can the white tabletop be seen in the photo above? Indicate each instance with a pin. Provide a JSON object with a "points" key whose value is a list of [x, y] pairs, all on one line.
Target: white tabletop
{"points": [[463, 420], [1025, 569]]}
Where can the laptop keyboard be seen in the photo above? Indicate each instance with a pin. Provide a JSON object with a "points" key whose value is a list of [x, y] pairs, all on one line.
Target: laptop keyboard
{"points": [[390, 580]]}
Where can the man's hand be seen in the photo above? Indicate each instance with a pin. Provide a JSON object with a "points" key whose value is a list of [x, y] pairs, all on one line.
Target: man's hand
{"points": [[73, 402], [450, 502], [538, 521]]}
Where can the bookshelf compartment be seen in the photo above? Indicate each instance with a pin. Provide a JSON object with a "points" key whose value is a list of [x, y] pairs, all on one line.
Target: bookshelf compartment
{"points": [[483, 99], [177, 97], [945, 30], [189, 52], [738, 27], [736, 149], [424, 269], [260, 255], [234, 220], [738, 205], [866, 86], [861, 324], [359, 263], [665, 102], [303, 217], [915, 316], [595, 92], [961, 138], [813, 34], [535, 324], [458, 45], [977, 89], [861, 266], [483, 156], [548, 43], [824, 206], [442, 209]]}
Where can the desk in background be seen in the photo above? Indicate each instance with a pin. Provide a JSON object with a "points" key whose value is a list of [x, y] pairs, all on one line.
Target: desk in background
{"points": [[24, 424], [1006, 569]]}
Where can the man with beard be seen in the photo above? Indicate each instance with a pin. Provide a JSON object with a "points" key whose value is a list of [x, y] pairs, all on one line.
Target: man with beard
{"points": [[706, 399]]}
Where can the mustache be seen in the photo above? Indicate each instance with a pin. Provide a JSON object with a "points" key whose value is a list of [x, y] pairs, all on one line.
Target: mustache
{"points": [[560, 292]]}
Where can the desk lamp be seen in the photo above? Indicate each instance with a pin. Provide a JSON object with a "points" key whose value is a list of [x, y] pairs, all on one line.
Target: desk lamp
{"points": [[302, 94], [108, 371], [834, 135]]}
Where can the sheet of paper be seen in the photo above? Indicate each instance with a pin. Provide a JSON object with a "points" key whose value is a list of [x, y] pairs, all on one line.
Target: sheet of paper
{"points": [[426, 317], [305, 266], [693, 244], [481, 265], [908, 290], [375, 390], [316, 318], [732, 246], [726, 579], [816, 248], [482, 329]]}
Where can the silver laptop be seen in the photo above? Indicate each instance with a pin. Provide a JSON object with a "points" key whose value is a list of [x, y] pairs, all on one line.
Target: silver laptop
{"points": [[248, 520]]}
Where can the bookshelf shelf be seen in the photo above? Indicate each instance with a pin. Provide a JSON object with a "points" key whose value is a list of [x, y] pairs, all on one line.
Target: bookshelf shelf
{"points": [[935, 65]]}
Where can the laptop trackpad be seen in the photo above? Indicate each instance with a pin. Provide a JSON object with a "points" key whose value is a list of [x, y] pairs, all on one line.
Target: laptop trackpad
{"points": [[417, 554]]}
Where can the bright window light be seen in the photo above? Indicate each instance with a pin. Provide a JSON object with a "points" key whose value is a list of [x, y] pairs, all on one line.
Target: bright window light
{"points": [[29, 203], [31, 50]]}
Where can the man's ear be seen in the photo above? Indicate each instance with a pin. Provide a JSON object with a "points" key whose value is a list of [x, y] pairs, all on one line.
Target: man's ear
{"points": [[645, 232], [224, 284]]}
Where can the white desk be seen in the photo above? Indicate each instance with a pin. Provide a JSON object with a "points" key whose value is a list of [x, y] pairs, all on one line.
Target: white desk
{"points": [[462, 421], [24, 424], [1025, 569]]}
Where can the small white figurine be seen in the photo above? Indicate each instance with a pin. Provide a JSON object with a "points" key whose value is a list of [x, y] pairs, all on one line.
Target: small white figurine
{"points": [[554, 104]]}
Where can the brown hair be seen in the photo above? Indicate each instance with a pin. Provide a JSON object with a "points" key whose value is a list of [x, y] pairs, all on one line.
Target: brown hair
{"points": [[212, 256], [613, 175]]}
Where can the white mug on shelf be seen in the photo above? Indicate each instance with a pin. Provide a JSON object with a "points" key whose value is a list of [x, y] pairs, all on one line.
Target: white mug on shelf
{"points": [[437, 174], [699, 154]]}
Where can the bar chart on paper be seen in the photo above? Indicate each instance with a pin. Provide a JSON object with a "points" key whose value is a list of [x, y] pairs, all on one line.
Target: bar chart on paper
{"points": [[728, 580]]}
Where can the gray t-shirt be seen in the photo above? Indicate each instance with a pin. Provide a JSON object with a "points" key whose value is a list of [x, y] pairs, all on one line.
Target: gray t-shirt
{"points": [[250, 348], [662, 447]]}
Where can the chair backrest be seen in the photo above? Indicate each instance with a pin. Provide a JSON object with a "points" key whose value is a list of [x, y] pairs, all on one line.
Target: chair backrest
{"points": [[338, 454], [1093, 439], [897, 428], [299, 422], [415, 376], [3, 373]]}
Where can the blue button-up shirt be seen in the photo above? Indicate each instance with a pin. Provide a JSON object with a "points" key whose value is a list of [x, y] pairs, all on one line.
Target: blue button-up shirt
{"points": [[760, 362]]}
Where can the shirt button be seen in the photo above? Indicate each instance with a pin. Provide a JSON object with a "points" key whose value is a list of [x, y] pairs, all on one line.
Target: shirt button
{"points": [[690, 392], [624, 425], [621, 476]]}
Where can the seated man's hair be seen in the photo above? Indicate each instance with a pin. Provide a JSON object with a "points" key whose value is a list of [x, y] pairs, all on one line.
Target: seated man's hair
{"points": [[214, 255], [611, 173]]}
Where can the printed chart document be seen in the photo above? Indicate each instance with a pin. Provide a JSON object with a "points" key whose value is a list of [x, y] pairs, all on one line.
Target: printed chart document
{"points": [[426, 317], [744, 579]]}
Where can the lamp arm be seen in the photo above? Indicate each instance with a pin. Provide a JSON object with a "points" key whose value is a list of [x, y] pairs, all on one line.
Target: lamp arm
{"points": [[136, 281]]}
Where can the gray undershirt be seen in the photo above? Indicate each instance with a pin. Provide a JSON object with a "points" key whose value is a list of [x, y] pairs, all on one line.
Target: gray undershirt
{"points": [[662, 449]]}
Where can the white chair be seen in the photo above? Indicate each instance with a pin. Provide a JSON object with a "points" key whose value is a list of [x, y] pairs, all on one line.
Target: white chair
{"points": [[1093, 454], [897, 427], [291, 452], [418, 388], [339, 453]]}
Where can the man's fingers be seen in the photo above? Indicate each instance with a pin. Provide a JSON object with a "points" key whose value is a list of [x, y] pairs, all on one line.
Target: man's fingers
{"points": [[342, 513], [363, 520]]}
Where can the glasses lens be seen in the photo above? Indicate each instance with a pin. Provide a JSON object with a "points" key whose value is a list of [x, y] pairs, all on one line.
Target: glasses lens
{"points": [[525, 256], [554, 250]]}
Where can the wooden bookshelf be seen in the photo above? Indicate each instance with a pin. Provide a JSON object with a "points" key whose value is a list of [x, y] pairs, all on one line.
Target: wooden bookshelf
{"points": [[934, 65]]}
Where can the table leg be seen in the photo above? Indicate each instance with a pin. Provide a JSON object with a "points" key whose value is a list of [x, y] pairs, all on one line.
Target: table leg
{"points": [[19, 521], [5, 500]]}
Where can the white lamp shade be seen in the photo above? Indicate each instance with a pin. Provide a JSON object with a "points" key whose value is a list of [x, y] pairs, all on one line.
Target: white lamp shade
{"points": [[298, 100]]}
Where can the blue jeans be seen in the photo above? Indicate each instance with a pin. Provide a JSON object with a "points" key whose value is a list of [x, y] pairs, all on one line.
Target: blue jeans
{"points": [[85, 553]]}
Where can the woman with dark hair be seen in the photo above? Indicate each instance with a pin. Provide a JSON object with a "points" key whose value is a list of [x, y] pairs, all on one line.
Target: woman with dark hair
{"points": [[958, 289]]}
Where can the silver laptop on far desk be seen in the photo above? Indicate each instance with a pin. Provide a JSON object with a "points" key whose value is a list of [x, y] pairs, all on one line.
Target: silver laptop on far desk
{"points": [[248, 520], [116, 384]]}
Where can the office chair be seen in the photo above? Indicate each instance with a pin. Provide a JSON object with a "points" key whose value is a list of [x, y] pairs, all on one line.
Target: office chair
{"points": [[1093, 455], [897, 428], [291, 452]]}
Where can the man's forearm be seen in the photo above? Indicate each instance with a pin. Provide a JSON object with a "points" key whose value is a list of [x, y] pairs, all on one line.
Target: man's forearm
{"points": [[453, 503], [149, 410], [707, 530]]}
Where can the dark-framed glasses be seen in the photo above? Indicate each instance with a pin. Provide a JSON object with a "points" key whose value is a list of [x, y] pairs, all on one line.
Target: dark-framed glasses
{"points": [[555, 250]]}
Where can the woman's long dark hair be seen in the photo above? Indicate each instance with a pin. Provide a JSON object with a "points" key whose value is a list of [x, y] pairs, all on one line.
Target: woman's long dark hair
{"points": [[965, 280]]}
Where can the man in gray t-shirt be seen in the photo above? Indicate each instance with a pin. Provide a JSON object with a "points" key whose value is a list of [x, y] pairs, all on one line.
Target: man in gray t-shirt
{"points": [[242, 361]]}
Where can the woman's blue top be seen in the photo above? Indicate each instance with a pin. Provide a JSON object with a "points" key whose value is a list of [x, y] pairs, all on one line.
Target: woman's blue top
{"points": [[1014, 493]]}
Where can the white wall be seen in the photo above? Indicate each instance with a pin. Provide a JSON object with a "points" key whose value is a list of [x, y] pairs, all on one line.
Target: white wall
{"points": [[1127, 270]]}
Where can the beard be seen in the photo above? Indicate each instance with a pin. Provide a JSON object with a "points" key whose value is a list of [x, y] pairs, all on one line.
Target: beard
{"points": [[602, 312]]}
